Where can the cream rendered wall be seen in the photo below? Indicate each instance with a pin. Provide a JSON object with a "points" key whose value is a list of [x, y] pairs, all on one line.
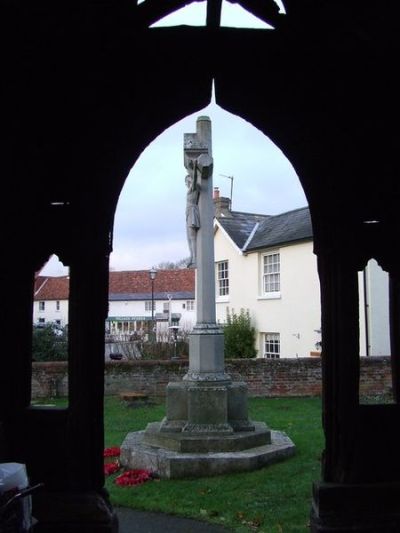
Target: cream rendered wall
{"points": [[225, 250], [295, 314]]}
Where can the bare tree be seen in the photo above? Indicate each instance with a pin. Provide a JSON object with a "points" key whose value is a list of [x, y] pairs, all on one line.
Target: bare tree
{"points": [[173, 265]]}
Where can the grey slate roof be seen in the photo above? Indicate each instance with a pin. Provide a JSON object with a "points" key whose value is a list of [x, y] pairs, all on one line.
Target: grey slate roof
{"points": [[240, 225], [272, 230]]}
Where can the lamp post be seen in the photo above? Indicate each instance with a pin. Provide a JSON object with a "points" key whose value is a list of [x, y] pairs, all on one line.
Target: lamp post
{"points": [[152, 274]]}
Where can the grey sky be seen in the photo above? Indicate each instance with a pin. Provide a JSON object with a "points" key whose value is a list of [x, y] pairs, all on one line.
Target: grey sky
{"points": [[150, 218]]}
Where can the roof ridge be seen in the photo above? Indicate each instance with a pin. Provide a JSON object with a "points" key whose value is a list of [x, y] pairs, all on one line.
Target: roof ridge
{"points": [[291, 211], [248, 213]]}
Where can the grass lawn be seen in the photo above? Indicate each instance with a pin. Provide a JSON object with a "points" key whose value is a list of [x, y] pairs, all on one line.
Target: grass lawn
{"points": [[274, 499]]}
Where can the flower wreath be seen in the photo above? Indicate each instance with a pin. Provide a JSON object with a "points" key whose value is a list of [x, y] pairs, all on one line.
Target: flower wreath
{"points": [[133, 477], [111, 468], [113, 451], [129, 477]]}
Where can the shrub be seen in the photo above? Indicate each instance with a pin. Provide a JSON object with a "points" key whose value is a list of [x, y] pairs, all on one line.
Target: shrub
{"points": [[239, 335], [164, 350], [49, 343]]}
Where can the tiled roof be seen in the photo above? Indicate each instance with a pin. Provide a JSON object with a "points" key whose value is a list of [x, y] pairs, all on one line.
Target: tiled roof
{"points": [[51, 288], [138, 281], [263, 231], [125, 283], [240, 225]]}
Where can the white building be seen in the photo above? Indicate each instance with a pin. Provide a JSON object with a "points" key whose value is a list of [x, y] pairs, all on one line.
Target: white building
{"points": [[50, 303], [135, 302], [373, 283], [266, 265]]}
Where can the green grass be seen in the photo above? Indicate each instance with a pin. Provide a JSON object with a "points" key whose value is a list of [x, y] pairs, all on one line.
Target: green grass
{"points": [[274, 499]]}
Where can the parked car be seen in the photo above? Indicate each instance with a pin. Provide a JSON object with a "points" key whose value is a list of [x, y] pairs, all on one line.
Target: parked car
{"points": [[116, 356]]}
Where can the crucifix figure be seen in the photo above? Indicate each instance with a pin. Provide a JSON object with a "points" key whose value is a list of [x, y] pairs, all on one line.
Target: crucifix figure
{"points": [[198, 169]]}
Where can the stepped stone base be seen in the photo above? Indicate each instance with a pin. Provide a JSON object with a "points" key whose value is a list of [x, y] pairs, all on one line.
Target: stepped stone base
{"points": [[197, 442], [138, 452]]}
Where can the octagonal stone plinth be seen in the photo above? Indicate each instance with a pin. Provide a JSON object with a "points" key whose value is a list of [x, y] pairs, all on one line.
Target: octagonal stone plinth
{"points": [[170, 464], [213, 442]]}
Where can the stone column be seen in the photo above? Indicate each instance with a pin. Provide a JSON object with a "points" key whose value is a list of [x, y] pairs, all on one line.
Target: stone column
{"points": [[88, 272], [206, 343], [206, 381]]}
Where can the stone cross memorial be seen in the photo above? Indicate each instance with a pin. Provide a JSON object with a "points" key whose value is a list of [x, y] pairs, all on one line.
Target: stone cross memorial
{"points": [[206, 430]]}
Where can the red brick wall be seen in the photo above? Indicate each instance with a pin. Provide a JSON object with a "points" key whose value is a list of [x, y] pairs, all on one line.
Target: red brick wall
{"points": [[274, 377]]}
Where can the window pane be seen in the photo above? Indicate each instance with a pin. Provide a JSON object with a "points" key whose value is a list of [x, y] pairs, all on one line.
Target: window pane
{"points": [[223, 278], [272, 346], [271, 273]]}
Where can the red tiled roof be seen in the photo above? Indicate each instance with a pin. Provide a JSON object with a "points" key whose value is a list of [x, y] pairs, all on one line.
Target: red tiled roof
{"points": [[138, 281], [51, 288], [39, 280], [124, 282]]}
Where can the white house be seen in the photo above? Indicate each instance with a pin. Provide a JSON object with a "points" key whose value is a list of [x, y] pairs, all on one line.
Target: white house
{"points": [[50, 300], [136, 303], [373, 284], [266, 265]]}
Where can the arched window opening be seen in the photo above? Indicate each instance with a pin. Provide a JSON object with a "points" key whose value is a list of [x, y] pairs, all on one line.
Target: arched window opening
{"points": [[253, 180], [374, 330], [231, 15], [50, 333]]}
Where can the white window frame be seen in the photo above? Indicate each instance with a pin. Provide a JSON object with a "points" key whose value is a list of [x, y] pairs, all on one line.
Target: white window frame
{"points": [[189, 305], [222, 275], [42, 306], [58, 305], [271, 275], [147, 305], [271, 345]]}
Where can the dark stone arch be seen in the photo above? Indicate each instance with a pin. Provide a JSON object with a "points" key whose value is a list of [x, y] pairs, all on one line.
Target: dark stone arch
{"points": [[86, 90]]}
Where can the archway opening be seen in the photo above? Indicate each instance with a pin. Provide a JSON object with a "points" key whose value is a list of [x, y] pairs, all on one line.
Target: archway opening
{"points": [[50, 318], [374, 330]]}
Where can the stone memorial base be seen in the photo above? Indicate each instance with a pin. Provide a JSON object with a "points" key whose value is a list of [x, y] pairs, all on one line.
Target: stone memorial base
{"points": [[206, 432], [169, 464]]}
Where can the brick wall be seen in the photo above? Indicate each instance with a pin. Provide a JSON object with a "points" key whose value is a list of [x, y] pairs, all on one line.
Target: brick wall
{"points": [[275, 377]]}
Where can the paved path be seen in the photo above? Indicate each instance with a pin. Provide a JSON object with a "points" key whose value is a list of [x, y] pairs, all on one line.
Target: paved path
{"points": [[132, 521]]}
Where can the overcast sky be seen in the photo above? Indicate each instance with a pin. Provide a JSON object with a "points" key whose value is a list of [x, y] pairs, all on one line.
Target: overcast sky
{"points": [[150, 218]]}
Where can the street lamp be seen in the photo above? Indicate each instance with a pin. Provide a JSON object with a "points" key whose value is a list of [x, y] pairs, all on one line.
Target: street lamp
{"points": [[152, 274]]}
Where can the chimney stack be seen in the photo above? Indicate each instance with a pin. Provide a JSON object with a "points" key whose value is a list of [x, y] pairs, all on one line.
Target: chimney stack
{"points": [[222, 205]]}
